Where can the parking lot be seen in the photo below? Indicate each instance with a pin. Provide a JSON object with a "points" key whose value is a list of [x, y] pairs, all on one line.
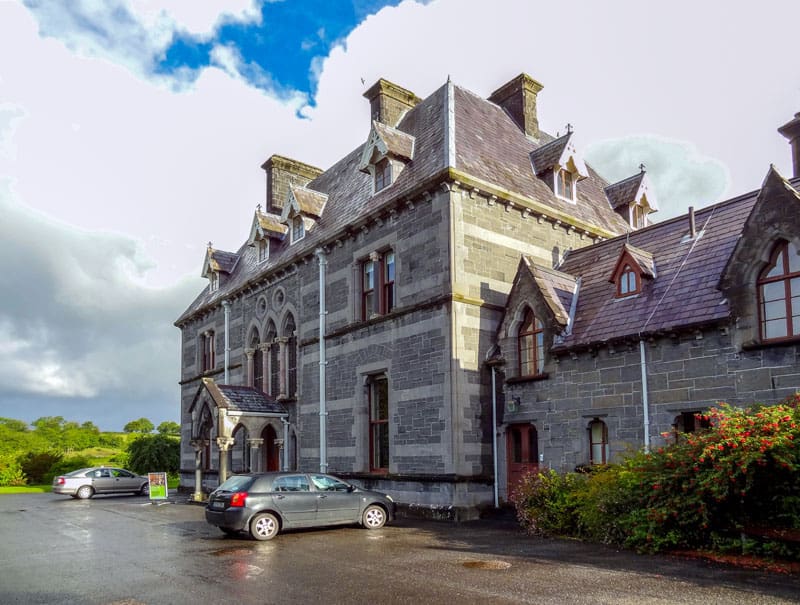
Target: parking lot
{"points": [[125, 550]]}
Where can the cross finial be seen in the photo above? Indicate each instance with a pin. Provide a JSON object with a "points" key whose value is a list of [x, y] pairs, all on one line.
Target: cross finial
{"points": [[258, 208], [569, 128], [210, 245], [641, 167]]}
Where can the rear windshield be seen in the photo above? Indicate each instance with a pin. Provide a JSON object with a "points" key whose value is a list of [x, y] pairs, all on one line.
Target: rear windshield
{"points": [[236, 483], [78, 473]]}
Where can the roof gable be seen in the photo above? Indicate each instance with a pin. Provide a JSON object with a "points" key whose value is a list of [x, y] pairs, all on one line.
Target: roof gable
{"points": [[266, 225], [639, 260], [219, 261], [559, 154], [636, 189], [304, 201], [386, 141]]}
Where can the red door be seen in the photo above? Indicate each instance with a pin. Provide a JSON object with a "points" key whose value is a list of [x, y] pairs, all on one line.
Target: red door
{"points": [[522, 443]]}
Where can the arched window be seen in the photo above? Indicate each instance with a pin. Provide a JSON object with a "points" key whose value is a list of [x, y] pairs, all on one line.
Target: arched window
{"points": [[598, 442], [291, 356], [273, 386], [779, 294], [257, 379], [531, 346], [628, 282]]}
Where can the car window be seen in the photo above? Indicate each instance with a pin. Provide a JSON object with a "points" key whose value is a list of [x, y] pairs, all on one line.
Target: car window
{"points": [[327, 483], [100, 472], [236, 483], [118, 472], [81, 472], [291, 483]]}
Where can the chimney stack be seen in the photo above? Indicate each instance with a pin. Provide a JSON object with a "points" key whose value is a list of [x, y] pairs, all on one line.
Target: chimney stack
{"points": [[791, 130], [692, 226], [389, 102], [518, 98], [283, 173]]}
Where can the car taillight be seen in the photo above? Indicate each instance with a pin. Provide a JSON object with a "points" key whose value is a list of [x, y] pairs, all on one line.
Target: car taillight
{"points": [[60, 481], [238, 499]]}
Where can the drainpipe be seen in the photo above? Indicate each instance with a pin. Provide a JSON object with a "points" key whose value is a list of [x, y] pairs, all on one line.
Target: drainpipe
{"points": [[494, 435], [285, 465], [323, 413], [226, 305], [645, 405]]}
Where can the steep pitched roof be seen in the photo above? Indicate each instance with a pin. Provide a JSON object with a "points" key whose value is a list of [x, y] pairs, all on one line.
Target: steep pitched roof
{"points": [[238, 398], [557, 153], [631, 190], [306, 201], [219, 260], [388, 141], [266, 225], [685, 292], [643, 259], [557, 289]]}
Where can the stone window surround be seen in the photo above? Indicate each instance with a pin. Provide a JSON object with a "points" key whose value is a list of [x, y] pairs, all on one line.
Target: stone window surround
{"points": [[512, 334], [380, 247], [536, 348], [597, 421], [361, 424], [783, 248], [568, 182], [206, 349]]}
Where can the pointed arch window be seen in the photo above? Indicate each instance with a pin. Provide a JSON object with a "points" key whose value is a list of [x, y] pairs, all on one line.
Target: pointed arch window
{"points": [[531, 346], [274, 360], [257, 376], [628, 282], [291, 356], [779, 294]]}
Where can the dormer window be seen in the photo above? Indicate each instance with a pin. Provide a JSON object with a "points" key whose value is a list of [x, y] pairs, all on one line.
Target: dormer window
{"points": [[213, 278], [263, 250], [383, 174], [298, 228], [565, 184], [638, 216], [628, 283], [779, 294]]}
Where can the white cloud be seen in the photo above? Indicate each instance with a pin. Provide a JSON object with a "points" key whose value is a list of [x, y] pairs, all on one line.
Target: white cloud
{"points": [[198, 18]]}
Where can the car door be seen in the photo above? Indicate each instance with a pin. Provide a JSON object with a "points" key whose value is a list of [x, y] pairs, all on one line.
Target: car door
{"points": [[336, 502], [102, 481], [294, 500], [125, 481]]}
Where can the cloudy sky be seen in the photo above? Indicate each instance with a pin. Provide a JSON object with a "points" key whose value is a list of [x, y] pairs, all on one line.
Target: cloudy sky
{"points": [[132, 131]]}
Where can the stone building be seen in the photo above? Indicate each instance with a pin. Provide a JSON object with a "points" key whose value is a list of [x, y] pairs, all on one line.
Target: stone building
{"points": [[365, 327]]}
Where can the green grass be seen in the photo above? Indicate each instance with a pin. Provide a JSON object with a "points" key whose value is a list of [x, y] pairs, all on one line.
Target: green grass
{"points": [[26, 489]]}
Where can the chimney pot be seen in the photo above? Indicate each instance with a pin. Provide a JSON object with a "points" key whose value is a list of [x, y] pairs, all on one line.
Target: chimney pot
{"points": [[791, 130], [692, 226], [389, 102]]}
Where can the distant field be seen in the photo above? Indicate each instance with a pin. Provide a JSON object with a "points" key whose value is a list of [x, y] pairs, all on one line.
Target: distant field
{"points": [[26, 489]]}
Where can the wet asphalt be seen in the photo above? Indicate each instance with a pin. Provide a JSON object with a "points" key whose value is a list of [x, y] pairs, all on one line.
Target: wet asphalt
{"points": [[124, 550]]}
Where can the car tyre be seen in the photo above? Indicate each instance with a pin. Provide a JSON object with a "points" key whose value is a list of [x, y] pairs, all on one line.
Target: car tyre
{"points": [[374, 517], [84, 492], [145, 490], [264, 526]]}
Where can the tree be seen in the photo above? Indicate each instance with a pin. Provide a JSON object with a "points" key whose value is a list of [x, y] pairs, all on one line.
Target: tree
{"points": [[169, 427], [143, 425], [154, 453]]}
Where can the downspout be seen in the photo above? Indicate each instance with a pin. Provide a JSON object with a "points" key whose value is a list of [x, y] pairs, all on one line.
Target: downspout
{"points": [[494, 436], [226, 305], [285, 465], [645, 404], [323, 412]]}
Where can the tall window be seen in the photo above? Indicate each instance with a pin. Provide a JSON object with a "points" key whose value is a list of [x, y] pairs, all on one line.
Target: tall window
{"points": [[274, 360], [598, 442], [383, 174], [258, 361], [298, 228], [263, 250], [638, 216], [779, 294], [377, 284], [531, 346], [628, 282], [291, 356], [379, 424], [208, 353], [214, 281], [565, 184]]}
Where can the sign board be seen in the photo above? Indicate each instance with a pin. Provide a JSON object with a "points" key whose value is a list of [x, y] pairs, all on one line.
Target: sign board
{"points": [[158, 485]]}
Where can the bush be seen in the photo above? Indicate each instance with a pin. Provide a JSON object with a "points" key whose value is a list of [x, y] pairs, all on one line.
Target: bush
{"points": [[10, 471], [35, 465], [67, 465], [546, 502], [154, 453]]}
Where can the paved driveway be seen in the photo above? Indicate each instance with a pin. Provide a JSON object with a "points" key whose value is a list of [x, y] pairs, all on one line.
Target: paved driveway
{"points": [[124, 550]]}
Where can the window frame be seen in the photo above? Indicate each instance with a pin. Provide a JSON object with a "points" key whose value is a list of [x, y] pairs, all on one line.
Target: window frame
{"points": [[624, 278], [782, 250], [638, 216], [378, 425], [262, 250], [208, 353], [565, 184], [380, 297], [213, 281], [531, 341], [603, 443], [298, 228], [382, 174]]}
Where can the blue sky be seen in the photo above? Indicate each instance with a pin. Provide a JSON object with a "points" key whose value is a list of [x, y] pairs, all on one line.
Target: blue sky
{"points": [[132, 133]]}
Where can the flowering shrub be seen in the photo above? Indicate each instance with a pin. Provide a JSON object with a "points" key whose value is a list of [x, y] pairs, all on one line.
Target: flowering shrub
{"points": [[707, 489]]}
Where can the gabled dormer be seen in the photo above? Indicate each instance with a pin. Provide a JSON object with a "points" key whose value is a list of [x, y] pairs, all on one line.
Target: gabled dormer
{"points": [[632, 267], [265, 229], [560, 165], [634, 199], [217, 266], [302, 210], [385, 154]]}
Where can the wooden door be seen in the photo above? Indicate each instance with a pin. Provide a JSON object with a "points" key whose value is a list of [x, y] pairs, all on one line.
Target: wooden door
{"points": [[522, 443], [272, 452]]}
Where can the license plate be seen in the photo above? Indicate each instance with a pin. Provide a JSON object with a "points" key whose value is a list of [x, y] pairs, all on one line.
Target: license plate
{"points": [[218, 504]]}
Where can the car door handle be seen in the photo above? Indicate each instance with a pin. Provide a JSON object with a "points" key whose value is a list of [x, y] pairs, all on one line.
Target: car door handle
{"points": [[279, 497], [321, 496]]}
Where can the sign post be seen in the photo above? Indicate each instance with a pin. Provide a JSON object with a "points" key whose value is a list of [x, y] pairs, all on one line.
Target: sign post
{"points": [[158, 485]]}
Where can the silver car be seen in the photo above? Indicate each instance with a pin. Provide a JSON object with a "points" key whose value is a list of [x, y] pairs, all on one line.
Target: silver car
{"points": [[86, 482]]}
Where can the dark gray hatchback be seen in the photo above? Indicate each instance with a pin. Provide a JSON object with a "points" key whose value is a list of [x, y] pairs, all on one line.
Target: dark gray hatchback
{"points": [[265, 503]]}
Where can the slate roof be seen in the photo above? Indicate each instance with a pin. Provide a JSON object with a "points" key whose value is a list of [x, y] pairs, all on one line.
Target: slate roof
{"points": [[220, 260], [398, 143], [623, 192], [556, 287], [270, 224], [684, 292], [643, 258], [310, 202], [488, 146], [249, 399]]}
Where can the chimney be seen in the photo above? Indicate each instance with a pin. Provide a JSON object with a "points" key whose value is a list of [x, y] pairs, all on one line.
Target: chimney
{"points": [[283, 173], [518, 98], [791, 130], [692, 226], [389, 102]]}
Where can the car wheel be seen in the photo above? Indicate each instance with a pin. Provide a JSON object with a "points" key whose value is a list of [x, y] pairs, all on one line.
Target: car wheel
{"points": [[374, 517], [264, 526], [145, 491], [84, 492]]}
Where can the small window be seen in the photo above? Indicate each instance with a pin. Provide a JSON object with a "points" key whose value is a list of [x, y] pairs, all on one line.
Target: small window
{"points": [[208, 351], [690, 422], [378, 395], [531, 346], [213, 279], [263, 250], [388, 282], [383, 174], [377, 284], [598, 442], [565, 184], [368, 306], [628, 282], [638, 216], [298, 228], [779, 294]]}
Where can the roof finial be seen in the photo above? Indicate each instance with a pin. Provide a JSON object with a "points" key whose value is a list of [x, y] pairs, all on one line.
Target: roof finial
{"points": [[258, 208], [569, 128], [210, 245], [641, 167]]}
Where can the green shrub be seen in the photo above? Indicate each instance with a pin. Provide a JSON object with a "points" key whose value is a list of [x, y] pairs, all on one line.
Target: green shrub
{"points": [[64, 466], [154, 453], [36, 465], [546, 502], [10, 471]]}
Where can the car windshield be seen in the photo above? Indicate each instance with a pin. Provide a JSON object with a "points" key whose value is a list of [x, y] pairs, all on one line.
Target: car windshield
{"points": [[235, 484]]}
